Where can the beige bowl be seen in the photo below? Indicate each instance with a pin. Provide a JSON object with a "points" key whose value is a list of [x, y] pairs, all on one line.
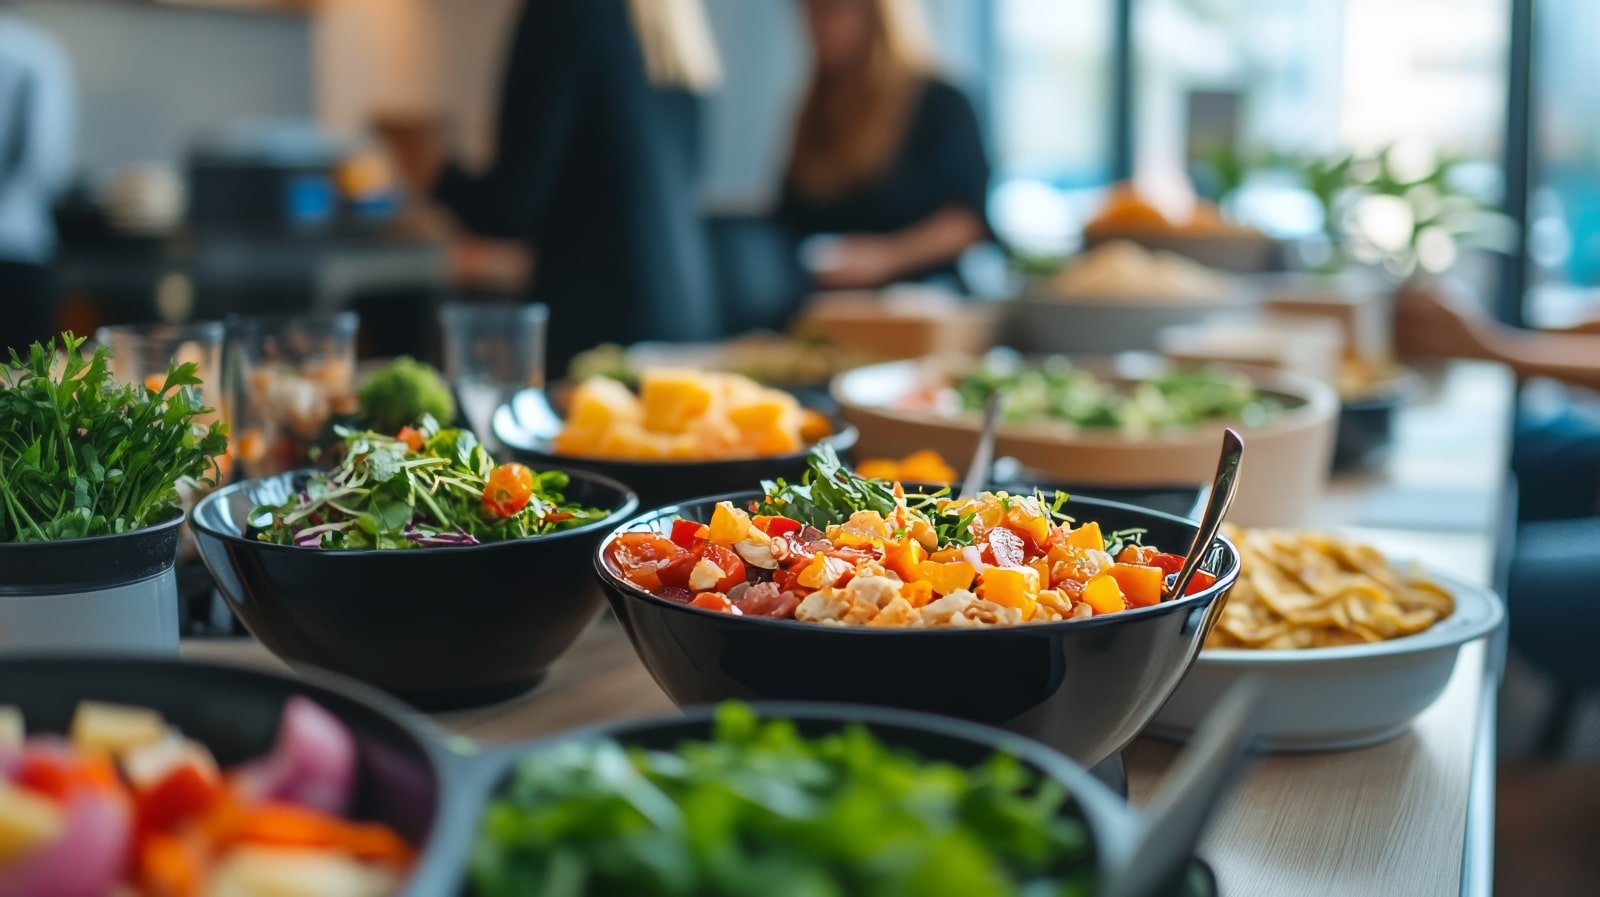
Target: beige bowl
{"points": [[903, 324], [1285, 465]]}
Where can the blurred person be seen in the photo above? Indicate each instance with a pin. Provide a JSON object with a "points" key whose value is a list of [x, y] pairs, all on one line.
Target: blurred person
{"points": [[887, 156], [1556, 452], [597, 169], [37, 109]]}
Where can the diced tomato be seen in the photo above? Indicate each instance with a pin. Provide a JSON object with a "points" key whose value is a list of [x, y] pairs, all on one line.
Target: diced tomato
{"points": [[671, 593], [1003, 548], [181, 794], [644, 577], [729, 562], [683, 533], [776, 526], [641, 548], [171, 867], [1200, 581], [715, 601], [1169, 563], [46, 774], [675, 572]]}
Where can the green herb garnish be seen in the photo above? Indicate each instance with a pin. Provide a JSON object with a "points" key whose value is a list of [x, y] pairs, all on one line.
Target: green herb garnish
{"points": [[81, 455], [830, 492], [384, 494], [761, 809]]}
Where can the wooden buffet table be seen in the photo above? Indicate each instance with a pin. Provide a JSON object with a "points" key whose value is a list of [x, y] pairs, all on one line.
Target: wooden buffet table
{"points": [[1413, 816]]}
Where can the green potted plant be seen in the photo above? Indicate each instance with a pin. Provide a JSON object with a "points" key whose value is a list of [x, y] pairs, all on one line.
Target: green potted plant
{"points": [[89, 504]]}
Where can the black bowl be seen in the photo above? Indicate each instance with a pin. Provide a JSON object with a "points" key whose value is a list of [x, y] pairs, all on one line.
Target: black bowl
{"points": [[403, 773], [443, 628], [528, 437], [665, 482], [1084, 687], [435, 797]]}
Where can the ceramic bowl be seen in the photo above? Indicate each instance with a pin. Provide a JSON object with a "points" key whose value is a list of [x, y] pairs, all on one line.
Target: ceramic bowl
{"points": [[1286, 460], [1085, 687], [1325, 699], [442, 628]]}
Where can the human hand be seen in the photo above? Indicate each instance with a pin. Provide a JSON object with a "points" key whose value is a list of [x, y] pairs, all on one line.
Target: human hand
{"points": [[1429, 324], [417, 147], [857, 262]]}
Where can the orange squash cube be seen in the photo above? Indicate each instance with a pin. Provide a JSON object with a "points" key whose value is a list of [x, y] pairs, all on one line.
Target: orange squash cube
{"points": [[1087, 536], [1140, 585], [728, 524], [917, 593], [1016, 587], [1104, 595], [904, 559], [946, 577]]}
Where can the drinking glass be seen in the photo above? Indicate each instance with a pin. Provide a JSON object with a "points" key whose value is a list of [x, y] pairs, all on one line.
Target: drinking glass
{"points": [[491, 352], [288, 377]]}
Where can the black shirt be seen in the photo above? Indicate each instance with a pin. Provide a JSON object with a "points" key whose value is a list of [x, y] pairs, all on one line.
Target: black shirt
{"points": [[598, 170], [940, 162]]}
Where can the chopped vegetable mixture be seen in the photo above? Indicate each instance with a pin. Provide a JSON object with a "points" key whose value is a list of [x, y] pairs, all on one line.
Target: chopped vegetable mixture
{"points": [[840, 549]]}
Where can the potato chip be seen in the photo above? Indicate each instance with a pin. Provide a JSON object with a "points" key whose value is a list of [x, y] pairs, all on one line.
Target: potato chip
{"points": [[1312, 590]]}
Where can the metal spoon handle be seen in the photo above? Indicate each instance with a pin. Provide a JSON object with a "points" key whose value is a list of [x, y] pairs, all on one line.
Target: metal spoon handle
{"points": [[983, 458], [1189, 794], [1223, 489]]}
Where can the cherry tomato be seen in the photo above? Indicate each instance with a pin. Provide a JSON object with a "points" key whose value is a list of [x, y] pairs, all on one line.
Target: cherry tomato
{"points": [[730, 563], [1004, 548], [412, 438], [715, 601], [683, 533], [508, 490]]}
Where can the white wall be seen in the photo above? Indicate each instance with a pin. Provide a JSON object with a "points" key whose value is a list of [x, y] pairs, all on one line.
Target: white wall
{"points": [[151, 76]]}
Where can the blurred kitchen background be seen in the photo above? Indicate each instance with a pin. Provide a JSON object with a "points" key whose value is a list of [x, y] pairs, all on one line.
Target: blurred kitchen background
{"points": [[259, 185]]}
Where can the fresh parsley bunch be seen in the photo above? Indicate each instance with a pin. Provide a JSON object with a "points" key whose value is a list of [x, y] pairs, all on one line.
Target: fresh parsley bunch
{"points": [[81, 455]]}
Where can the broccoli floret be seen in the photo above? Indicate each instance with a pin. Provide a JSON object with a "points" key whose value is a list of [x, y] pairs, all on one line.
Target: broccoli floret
{"points": [[400, 394]]}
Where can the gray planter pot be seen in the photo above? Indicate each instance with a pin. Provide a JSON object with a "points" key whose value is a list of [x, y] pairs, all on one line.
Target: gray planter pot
{"points": [[107, 593]]}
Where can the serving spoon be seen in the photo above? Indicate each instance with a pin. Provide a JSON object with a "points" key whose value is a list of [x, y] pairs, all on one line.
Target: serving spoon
{"points": [[1165, 840], [983, 459], [1223, 488]]}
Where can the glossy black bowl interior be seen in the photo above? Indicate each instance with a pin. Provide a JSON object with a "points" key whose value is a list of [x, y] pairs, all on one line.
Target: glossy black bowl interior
{"points": [[235, 712], [1084, 687], [442, 628]]}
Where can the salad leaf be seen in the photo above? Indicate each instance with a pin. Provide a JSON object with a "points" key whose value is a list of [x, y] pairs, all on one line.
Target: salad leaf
{"points": [[81, 455], [385, 495], [760, 809], [830, 492]]}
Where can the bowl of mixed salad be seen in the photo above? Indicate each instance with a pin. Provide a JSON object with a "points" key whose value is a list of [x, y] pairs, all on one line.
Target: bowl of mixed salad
{"points": [[415, 563], [158, 778], [1126, 422], [1041, 613]]}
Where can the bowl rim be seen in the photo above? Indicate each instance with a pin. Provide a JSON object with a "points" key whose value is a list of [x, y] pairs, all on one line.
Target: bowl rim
{"points": [[842, 439], [1318, 403], [628, 506], [1208, 595], [1449, 633], [150, 530]]}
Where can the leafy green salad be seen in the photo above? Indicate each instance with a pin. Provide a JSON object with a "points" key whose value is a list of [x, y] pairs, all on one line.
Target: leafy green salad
{"points": [[425, 487], [1056, 390], [82, 455], [761, 809]]}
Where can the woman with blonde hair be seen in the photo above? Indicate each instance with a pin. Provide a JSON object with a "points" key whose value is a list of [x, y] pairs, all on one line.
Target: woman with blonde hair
{"points": [[886, 156], [597, 166]]}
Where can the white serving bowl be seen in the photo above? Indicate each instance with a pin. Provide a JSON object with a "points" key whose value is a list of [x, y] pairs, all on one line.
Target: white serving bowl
{"points": [[1330, 699]]}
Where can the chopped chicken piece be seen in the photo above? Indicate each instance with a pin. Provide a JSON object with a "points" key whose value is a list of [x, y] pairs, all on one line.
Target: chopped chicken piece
{"points": [[823, 606], [898, 612]]}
